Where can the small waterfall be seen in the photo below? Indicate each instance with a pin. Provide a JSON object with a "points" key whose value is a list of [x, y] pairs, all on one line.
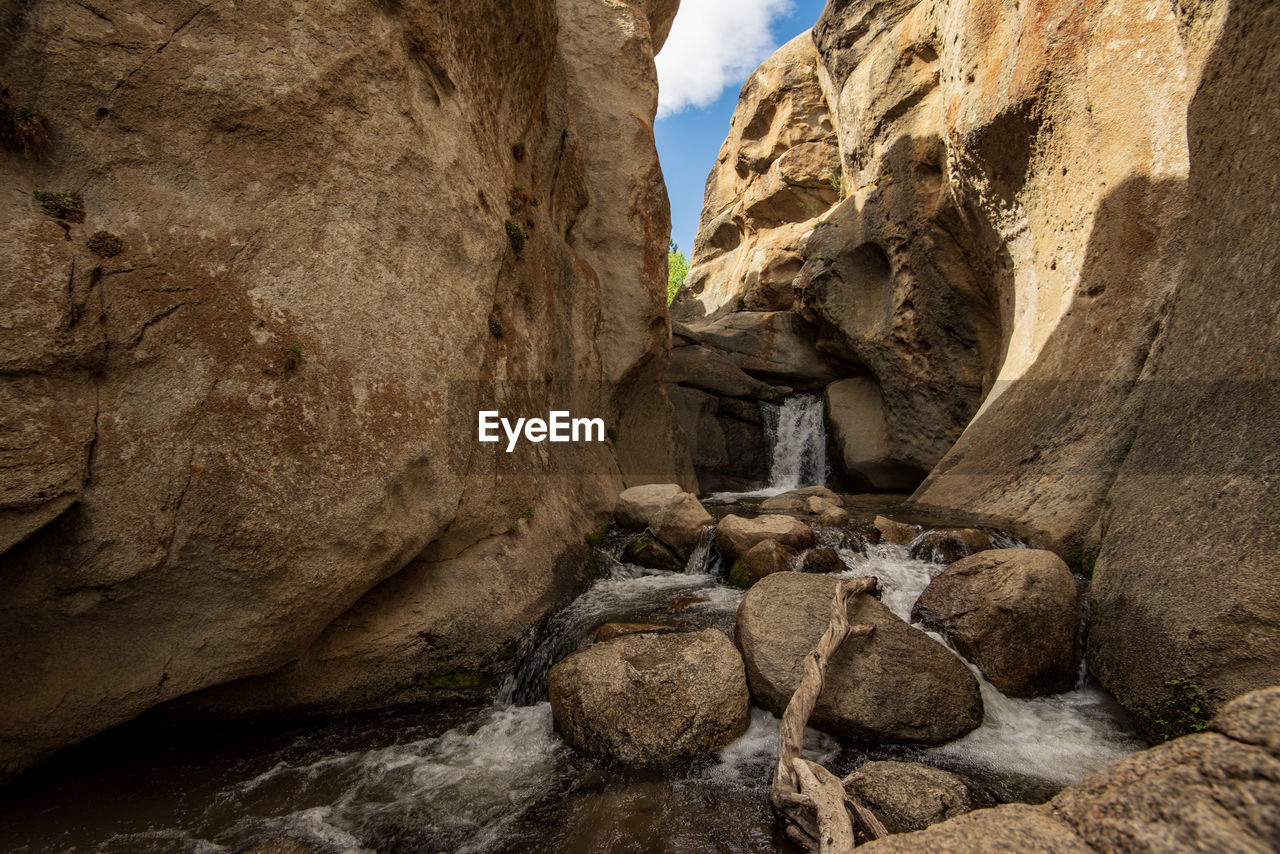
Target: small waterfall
{"points": [[799, 433], [699, 562]]}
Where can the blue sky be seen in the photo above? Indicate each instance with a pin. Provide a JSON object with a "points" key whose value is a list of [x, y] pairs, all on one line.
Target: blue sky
{"points": [[714, 45]]}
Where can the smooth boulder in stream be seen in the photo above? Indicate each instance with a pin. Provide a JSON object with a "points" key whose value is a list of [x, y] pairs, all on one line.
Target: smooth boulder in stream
{"points": [[674, 516], [909, 796], [737, 535], [898, 684], [1015, 613], [645, 699]]}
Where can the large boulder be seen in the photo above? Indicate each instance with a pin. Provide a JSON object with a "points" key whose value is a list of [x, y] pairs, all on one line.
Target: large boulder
{"points": [[764, 558], [709, 370], [859, 431], [898, 684], [948, 545], [909, 796], [241, 452], [735, 535], [674, 516], [645, 699], [1015, 613], [1214, 791]]}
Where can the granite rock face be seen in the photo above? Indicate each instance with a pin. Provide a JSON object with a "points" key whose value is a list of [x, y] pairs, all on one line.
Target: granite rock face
{"points": [[1214, 791], [645, 699], [242, 450], [1015, 613], [1049, 279], [897, 684]]}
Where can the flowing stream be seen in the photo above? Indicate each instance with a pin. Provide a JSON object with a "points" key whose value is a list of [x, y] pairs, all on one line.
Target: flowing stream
{"points": [[797, 434], [496, 778]]}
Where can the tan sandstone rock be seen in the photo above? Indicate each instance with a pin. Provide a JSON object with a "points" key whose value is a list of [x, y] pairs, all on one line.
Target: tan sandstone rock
{"points": [[897, 684], [1013, 612], [644, 699], [735, 535], [243, 449]]}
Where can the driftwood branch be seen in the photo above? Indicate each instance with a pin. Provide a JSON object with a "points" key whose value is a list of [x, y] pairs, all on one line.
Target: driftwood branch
{"points": [[811, 798]]}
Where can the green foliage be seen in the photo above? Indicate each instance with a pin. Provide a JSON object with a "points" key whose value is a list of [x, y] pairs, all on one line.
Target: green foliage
{"points": [[1083, 560], [739, 575], [1184, 711], [1095, 612], [516, 235], [104, 244], [64, 206], [637, 544], [495, 321], [22, 130], [527, 513], [549, 375], [1128, 445], [77, 311], [292, 357], [612, 433], [677, 269], [519, 150], [518, 201], [448, 680], [836, 180], [596, 537]]}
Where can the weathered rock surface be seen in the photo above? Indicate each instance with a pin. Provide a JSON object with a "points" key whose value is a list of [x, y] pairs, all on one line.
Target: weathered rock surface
{"points": [[735, 535], [909, 796], [824, 559], [1215, 791], [246, 442], [727, 440], [609, 631], [895, 685], [638, 505], [948, 545], [646, 550], [765, 558], [1015, 613], [1103, 254], [648, 699], [802, 500], [900, 533], [1024, 252], [674, 516]]}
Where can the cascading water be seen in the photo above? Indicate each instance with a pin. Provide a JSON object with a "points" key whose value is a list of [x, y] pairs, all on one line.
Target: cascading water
{"points": [[497, 778], [799, 437]]}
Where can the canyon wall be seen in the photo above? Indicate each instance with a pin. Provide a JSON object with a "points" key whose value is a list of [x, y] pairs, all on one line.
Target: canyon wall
{"points": [[1049, 283], [240, 450]]}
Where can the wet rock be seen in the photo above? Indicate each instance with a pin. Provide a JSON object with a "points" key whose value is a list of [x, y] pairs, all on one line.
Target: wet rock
{"points": [[802, 500], [948, 545], [735, 535], [1213, 791], [825, 559], [609, 631], [648, 699], [637, 505], [895, 685], [909, 796], [765, 558], [673, 515], [899, 533], [836, 517], [681, 602], [1014, 827], [282, 846], [644, 550], [1015, 613]]}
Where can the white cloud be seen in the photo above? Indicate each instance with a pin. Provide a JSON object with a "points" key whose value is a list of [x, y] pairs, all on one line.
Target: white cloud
{"points": [[713, 44]]}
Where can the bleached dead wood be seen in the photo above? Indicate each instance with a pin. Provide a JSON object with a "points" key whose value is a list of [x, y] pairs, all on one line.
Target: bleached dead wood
{"points": [[812, 799]]}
